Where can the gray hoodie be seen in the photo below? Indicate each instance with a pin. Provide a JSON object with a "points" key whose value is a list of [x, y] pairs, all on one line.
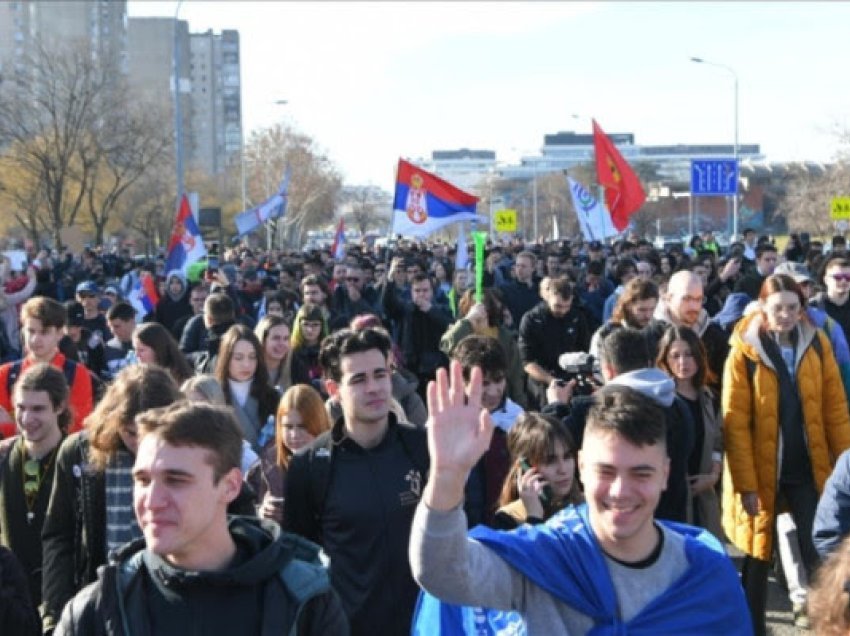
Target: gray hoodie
{"points": [[651, 382]]}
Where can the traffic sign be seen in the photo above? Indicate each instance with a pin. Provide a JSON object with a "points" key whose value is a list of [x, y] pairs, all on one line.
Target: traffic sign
{"points": [[839, 209], [505, 220], [714, 177]]}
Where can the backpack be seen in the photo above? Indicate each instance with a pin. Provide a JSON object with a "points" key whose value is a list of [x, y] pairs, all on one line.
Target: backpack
{"points": [[304, 576], [320, 460], [69, 368]]}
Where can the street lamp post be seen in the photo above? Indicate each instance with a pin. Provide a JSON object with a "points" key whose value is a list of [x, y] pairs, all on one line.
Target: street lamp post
{"points": [[178, 111], [729, 69]]}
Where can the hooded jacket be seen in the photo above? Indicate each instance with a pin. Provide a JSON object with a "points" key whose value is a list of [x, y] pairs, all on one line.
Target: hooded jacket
{"points": [[171, 307], [274, 586], [752, 436]]}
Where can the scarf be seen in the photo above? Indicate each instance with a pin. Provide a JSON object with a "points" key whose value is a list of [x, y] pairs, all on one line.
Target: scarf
{"points": [[121, 525], [563, 558]]}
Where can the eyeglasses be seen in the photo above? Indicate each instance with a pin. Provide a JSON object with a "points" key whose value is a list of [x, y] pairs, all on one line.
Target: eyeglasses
{"points": [[841, 277], [353, 279], [32, 472]]}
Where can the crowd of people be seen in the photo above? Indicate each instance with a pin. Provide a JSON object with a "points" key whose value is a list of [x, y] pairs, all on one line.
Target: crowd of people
{"points": [[382, 444]]}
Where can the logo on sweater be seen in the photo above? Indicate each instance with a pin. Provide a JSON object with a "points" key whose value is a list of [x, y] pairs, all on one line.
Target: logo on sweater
{"points": [[412, 496]]}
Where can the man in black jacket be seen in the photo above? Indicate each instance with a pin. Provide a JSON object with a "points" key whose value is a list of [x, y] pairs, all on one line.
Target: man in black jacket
{"points": [[553, 327], [355, 488], [195, 571], [422, 323]]}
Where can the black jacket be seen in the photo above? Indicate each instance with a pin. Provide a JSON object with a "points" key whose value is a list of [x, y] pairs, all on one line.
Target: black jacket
{"points": [[74, 532], [358, 504], [543, 337], [275, 586]]}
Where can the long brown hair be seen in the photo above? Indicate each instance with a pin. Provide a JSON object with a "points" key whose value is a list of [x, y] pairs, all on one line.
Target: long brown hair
{"points": [[267, 398], [689, 336], [165, 348], [533, 438], [136, 389], [314, 416]]}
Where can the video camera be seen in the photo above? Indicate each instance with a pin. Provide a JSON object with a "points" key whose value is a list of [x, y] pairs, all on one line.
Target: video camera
{"points": [[579, 366]]}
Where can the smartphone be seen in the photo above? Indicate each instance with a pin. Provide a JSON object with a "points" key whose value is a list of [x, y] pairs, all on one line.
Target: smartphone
{"points": [[212, 263], [546, 493]]}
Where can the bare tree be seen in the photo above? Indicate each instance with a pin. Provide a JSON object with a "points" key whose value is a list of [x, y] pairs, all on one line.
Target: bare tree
{"points": [[120, 151], [808, 198], [44, 121], [363, 205], [314, 182]]}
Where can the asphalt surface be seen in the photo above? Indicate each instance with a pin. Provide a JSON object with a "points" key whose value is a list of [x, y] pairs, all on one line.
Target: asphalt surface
{"points": [[780, 617]]}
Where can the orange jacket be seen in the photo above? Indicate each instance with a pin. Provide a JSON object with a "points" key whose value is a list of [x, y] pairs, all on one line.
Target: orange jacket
{"points": [[81, 399]]}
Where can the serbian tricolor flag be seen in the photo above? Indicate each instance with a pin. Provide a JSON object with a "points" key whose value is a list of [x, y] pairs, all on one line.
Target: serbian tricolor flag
{"points": [[623, 192], [338, 247], [144, 296], [425, 203], [186, 244]]}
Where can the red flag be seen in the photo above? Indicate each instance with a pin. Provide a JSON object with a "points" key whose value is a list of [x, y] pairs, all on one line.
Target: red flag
{"points": [[623, 192]]}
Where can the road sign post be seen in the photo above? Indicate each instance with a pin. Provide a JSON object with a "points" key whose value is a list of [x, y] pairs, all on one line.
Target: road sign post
{"points": [[718, 178], [505, 220]]}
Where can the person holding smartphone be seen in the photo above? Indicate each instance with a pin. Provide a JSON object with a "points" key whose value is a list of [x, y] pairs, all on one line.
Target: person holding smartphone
{"points": [[542, 480]]}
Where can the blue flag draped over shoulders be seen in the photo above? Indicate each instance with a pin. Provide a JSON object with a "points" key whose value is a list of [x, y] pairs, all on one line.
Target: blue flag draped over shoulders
{"points": [[563, 557]]}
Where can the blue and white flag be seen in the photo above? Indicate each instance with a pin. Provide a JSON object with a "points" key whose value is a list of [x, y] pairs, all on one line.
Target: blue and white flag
{"points": [[593, 218], [270, 209]]}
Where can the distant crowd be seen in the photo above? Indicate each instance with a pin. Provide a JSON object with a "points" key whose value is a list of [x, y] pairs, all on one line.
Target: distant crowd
{"points": [[285, 442]]}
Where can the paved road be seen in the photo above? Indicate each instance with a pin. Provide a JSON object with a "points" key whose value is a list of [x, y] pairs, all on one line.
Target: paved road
{"points": [[780, 618]]}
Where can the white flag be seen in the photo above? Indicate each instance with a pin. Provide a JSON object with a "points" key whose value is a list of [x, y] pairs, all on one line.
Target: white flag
{"points": [[462, 254], [593, 218]]}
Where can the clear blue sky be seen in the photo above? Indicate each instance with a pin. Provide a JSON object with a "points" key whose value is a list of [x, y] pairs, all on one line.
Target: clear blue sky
{"points": [[375, 81]]}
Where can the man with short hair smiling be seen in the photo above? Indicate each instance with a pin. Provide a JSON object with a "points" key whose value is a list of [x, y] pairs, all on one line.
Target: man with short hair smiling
{"points": [[355, 488], [196, 571], [28, 463], [604, 563]]}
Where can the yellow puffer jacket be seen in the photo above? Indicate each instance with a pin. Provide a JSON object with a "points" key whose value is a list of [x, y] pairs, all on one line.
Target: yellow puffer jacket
{"points": [[751, 428]]}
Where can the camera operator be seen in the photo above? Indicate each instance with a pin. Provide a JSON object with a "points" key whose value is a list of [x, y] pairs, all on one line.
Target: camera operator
{"points": [[624, 359], [553, 327]]}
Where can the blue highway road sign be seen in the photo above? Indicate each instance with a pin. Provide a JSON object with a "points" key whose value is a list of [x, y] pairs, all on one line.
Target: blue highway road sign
{"points": [[714, 177]]}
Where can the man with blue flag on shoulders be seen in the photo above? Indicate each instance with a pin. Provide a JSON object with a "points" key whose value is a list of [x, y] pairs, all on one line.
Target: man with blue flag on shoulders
{"points": [[605, 567]]}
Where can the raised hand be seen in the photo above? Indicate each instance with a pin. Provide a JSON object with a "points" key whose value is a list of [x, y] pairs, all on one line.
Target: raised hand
{"points": [[459, 432]]}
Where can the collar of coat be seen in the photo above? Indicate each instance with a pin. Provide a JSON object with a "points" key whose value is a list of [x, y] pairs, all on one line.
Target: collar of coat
{"points": [[746, 338]]}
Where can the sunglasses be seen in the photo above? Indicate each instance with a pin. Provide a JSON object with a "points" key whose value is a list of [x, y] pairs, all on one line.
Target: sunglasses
{"points": [[840, 277], [86, 295], [32, 475], [353, 279]]}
